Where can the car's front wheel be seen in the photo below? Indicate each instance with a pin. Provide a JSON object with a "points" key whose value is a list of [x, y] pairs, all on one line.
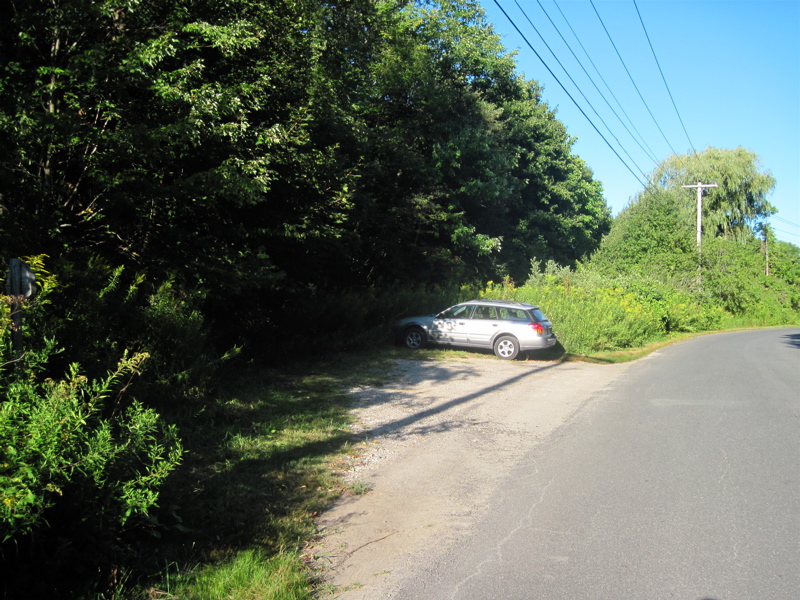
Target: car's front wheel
{"points": [[414, 338], [506, 347]]}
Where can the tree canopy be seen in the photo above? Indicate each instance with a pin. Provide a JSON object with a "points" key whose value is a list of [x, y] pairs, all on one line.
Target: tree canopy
{"points": [[247, 144], [656, 234], [739, 202]]}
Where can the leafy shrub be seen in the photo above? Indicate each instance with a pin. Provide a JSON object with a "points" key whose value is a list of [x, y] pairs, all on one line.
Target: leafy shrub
{"points": [[66, 441], [591, 313], [734, 275], [104, 309], [173, 331], [81, 461], [678, 310]]}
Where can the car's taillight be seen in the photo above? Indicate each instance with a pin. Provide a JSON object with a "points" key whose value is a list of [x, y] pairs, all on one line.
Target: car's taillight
{"points": [[537, 327]]}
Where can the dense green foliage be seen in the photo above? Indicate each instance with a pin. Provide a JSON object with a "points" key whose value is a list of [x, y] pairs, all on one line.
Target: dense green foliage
{"points": [[738, 203], [593, 312], [81, 463], [654, 239], [276, 154], [58, 448], [197, 179]]}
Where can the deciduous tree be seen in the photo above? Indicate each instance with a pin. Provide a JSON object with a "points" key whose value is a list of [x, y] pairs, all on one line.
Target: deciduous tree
{"points": [[738, 204]]}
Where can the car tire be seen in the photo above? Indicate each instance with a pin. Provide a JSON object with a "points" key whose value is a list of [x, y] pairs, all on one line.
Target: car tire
{"points": [[506, 347], [414, 338]]}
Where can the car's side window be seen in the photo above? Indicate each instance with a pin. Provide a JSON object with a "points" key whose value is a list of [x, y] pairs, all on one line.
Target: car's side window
{"points": [[457, 312], [485, 312], [462, 312], [513, 314]]}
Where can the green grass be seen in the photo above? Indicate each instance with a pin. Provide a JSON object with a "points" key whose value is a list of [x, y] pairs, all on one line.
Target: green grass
{"points": [[237, 515], [247, 575]]}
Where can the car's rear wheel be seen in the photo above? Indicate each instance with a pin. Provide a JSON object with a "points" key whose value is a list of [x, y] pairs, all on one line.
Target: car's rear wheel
{"points": [[506, 347], [414, 338]]}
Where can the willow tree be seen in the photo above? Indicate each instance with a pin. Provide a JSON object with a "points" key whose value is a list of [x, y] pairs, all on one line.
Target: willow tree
{"points": [[738, 204]]}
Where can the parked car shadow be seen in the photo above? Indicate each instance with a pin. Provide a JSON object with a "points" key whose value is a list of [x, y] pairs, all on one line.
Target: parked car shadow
{"points": [[556, 352], [793, 339]]}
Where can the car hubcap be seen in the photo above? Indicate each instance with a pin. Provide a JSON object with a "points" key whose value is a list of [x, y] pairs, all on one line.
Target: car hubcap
{"points": [[505, 349]]}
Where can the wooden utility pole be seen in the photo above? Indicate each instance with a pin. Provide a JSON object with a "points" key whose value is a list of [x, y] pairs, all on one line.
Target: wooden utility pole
{"points": [[700, 187]]}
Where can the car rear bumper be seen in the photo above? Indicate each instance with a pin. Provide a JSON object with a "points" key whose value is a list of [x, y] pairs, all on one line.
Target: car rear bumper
{"points": [[543, 342]]}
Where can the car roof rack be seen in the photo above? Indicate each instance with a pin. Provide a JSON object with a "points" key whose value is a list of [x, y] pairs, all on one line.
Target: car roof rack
{"points": [[514, 302]]}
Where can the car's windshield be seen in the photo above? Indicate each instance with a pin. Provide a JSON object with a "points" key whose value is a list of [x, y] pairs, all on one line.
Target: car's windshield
{"points": [[539, 315]]}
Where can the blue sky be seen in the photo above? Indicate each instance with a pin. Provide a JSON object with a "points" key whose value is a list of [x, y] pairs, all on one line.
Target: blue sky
{"points": [[733, 69]]}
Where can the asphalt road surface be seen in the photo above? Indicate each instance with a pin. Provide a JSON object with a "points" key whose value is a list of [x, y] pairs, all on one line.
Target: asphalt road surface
{"points": [[683, 483]]}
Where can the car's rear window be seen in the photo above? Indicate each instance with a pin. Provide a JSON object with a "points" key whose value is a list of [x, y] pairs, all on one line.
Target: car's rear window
{"points": [[539, 315]]}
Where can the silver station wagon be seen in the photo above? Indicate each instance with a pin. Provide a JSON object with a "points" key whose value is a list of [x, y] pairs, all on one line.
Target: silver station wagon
{"points": [[504, 326]]}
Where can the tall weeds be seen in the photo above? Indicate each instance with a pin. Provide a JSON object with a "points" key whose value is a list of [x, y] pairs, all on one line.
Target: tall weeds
{"points": [[592, 313]]}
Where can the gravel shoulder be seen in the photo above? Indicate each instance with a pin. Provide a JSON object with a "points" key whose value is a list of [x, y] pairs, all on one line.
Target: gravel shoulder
{"points": [[436, 442]]}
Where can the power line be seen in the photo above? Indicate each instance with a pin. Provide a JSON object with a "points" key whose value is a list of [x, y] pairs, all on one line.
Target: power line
{"points": [[631, 78], [578, 87], [578, 60], [664, 79], [649, 150], [513, 24], [786, 232], [680, 158], [782, 220]]}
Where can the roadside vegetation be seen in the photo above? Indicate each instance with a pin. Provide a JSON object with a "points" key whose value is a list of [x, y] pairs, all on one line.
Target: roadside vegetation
{"points": [[226, 205]]}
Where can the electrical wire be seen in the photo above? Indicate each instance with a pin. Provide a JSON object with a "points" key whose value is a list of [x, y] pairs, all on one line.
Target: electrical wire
{"points": [[797, 235], [649, 150], [650, 154], [782, 220], [632, 80], [513, 24], [578, 87], [588, 102], [597, 89], [664, 79]]}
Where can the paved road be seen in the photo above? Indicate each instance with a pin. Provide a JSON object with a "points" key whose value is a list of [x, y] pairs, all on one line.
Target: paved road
{"points": [[682, 482]]}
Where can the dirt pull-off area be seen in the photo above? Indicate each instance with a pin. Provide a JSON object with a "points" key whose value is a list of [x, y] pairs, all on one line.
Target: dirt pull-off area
{"points": [[437, 441]]}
